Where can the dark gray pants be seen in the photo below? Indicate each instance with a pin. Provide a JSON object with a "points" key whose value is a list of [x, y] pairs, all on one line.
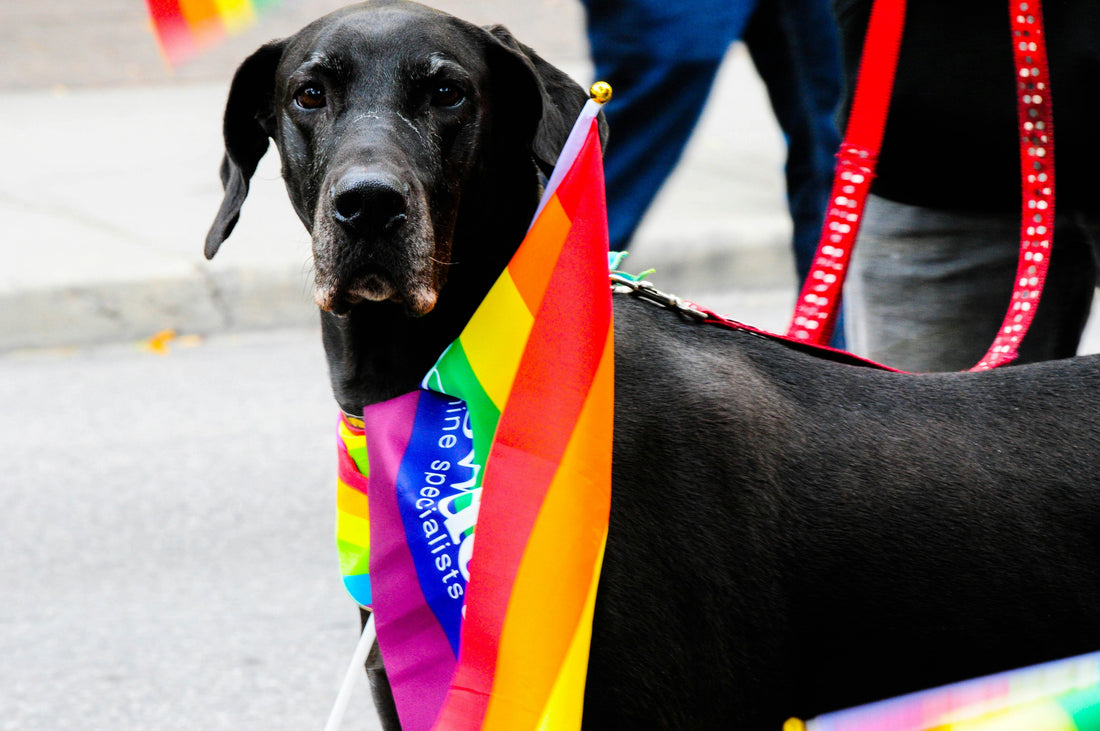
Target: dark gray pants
{"points": [[928, 289]]}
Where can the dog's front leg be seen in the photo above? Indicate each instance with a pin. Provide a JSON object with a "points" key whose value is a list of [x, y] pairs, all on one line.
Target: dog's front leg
{"points": [[380, 684]]}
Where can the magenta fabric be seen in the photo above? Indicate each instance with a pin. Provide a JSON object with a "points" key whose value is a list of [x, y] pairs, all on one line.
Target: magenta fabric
{"points": [[402, 618]]}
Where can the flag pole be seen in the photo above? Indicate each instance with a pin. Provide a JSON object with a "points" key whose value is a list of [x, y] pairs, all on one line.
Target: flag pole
{"points": [[358, 658]]}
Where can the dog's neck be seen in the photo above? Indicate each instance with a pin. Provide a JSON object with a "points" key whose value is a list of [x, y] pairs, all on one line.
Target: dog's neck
{"points": [[378, 351]]}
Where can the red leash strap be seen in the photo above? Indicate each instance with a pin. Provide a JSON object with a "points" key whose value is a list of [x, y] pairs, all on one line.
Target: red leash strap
{"points": [[1033, 110], [818, 303]]}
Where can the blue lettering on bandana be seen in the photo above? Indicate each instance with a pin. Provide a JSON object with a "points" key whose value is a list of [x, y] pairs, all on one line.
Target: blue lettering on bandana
{"points": [[438, 495]]}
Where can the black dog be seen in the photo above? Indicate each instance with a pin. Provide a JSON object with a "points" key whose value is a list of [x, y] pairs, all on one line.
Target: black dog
{"points": [[789, 534]]}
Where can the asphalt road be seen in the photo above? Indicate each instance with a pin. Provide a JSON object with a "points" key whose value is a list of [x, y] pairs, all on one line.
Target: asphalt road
{"points": [[167, 539], [167, 534]]}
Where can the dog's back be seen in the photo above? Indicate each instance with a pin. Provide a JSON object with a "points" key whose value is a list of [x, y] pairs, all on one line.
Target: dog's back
{"points": [[799, 535]]}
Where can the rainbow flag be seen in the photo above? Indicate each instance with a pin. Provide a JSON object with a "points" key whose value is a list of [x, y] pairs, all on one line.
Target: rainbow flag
{"points": [[509, 439], [185, 27], [1058, 696]]}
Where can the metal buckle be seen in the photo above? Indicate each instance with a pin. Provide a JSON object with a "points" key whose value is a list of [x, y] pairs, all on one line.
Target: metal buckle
{"points": [[646, 292]]}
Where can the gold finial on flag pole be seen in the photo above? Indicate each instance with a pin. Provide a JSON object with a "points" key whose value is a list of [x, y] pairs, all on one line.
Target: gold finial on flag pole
{"points": [[600, 92]]}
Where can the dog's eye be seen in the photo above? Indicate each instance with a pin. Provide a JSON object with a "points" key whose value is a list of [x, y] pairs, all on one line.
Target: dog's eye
{"points": [[310, 96], [447, 95]]}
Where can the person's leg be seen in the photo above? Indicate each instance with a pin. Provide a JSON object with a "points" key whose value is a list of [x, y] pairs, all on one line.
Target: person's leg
{"points": [[795, 47], [654, 108], [1067, 295], [1089, 223], [660, 59], [928, 289]]}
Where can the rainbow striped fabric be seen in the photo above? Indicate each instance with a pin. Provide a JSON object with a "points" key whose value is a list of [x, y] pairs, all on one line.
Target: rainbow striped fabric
{"points": [[1056, 696], [185, 27], [352, 516], [509, 438]]}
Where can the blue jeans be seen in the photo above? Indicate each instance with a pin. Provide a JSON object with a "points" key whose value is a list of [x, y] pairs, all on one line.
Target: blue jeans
{"points": [[662, 82]]}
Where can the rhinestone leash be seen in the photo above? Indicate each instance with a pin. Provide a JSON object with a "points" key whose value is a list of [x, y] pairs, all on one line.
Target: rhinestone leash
{"points": [[819, 301]]}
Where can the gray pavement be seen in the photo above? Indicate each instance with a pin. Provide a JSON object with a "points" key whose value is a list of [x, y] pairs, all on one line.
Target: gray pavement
{"points": [[110, 181], [168, 555]]}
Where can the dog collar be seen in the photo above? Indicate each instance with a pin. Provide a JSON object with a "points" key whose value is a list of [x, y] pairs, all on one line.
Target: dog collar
{"points": [[355, 421]]}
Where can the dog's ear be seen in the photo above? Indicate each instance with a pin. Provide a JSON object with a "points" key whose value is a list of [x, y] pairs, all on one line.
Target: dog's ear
{"points": [[553, 98], [249, 122]]}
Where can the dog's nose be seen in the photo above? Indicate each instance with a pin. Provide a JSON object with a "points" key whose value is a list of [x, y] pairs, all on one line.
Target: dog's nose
{"points": [[369, 203]]}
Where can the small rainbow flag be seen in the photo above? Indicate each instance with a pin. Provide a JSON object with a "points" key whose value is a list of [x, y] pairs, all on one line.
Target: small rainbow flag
{"points": [[1058, 696], [185, 27], [509, 439]]}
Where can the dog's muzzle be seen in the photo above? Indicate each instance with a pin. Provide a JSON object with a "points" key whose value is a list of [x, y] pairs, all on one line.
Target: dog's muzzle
{"points": [[371, 244]]}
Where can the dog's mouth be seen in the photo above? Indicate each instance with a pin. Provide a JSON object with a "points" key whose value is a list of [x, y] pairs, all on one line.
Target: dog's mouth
{"points": [[373, 284], [405, 265]]}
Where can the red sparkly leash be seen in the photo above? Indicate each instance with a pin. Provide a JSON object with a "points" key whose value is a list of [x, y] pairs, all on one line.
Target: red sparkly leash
{"points": [[818, 303]]}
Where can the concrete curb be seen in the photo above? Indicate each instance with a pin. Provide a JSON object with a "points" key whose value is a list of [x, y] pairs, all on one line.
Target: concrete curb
{"points": [[95, 313], [242, 299]]}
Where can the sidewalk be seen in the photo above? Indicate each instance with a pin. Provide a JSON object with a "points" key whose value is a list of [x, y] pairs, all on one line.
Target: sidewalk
{"points": [[107, 194]]}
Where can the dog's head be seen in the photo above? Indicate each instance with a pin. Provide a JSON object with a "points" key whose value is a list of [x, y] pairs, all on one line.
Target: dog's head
{"points": [[390, 119]]}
